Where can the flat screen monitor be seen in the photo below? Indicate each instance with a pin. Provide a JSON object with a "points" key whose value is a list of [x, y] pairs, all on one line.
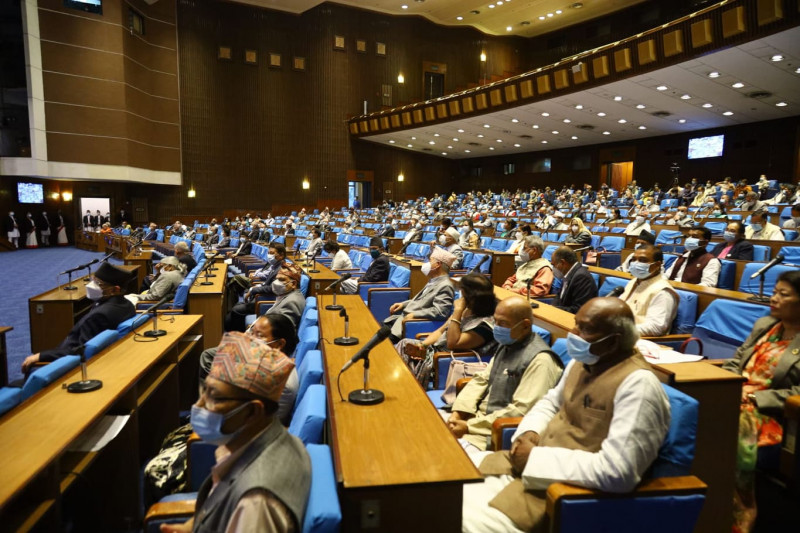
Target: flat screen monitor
{"points": [[702, 147], [90, 6], [30, 193]]}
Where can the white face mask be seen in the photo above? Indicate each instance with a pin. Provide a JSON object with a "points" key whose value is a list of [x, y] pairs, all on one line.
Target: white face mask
{"points": [[93, 291], [574, 228], [518, 235], [639, 220], [442, 240], [426, 268], [524, 256], [278, 287]]}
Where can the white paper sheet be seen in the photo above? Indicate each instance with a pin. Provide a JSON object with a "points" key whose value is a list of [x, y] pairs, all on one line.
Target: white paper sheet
{"points": [[103, 432], [656, 354]]}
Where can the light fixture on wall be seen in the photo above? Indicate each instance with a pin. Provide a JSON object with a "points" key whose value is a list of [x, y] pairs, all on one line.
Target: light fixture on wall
{"points": [[401, 177], [55, 195], [401, 78], [483, 57], [306, 184], [191, 193], [67, 196]]}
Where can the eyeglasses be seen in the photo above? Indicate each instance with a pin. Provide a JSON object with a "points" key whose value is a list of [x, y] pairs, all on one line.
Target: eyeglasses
{"points": [[212, 401]]}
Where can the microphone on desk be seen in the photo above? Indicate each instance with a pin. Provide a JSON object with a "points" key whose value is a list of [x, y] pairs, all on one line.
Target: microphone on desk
{"points": [[616, 293], [761, 271], [85, 384], [367, 396], [335, 284], [402, 251], [155, 332], [346, 339], [380, 336], [534, 305], [314, 269], [476, 269], [334, 306]]}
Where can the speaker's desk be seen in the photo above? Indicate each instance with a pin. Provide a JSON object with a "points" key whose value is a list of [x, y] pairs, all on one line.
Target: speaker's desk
{"points": [[209, 301]]}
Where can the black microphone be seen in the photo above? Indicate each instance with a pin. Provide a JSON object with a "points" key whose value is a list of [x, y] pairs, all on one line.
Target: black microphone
{"points": [[617, 292], [103, 260], [778, 259], [345, 276], [477, 267], [381, 335], [85, 384], [346, 339], [534, 305], [155, 332], [162, 301]]}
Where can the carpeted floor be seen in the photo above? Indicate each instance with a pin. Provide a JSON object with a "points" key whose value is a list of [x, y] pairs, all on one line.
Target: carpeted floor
{"points": [[27, 273]]}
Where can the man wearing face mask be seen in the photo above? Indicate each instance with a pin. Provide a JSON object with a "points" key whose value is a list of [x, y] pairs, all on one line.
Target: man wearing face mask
{"points": [[449, 241], [262, 476], [44, 229], [651, 298], [377, 271], [639, 225], [12, 229], [760, 228], [276, 255], [696, 265], [414, 233], [110, 308], [577, 285], [171, 274], [644, 238], [681, 218], [600, 428], [794, 222], [289, 299], [534, 267], [30, 232], [523, 369], [735, 246], [433, 302]]}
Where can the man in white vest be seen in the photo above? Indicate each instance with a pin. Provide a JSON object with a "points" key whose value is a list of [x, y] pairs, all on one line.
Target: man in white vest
{"points": [[651, 297]]}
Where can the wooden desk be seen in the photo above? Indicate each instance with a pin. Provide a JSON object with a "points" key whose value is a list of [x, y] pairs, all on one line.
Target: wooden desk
{"points": [[53, 313], [395, 244], [4, 355], [557, 321], [397, 458], [40, 479], [503, 266], [145, 261], [209, 301], [417, 280], [319, 280], [89, 240]]}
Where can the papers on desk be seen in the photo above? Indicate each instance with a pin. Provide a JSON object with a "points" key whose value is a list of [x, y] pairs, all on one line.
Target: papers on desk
{"points": [[103, 432], [656, 354], [229, 261]]}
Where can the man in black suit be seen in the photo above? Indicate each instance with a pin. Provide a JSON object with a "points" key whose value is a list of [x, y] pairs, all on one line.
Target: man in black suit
{"points": [[577, 284], [152, 233], [244, 248], [734, 247], [88, 221], [106, 289], [378, 270]]}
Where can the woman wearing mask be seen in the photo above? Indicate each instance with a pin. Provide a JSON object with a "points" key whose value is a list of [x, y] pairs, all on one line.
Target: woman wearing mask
{"points": [[469, 237], [518, 244], [579, 235]]}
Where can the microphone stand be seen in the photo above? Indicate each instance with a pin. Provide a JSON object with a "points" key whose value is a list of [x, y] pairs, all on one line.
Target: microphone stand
{"points": [[155, 332], [760, 297], [85, 384], [314, 269], [346, 340], [534, 305], [206, 282], [70, 286], [336, 307], [366, 396]]}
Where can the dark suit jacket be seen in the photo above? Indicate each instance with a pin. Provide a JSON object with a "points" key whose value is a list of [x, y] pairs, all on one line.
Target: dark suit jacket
{"points": [[580, 288], [253, 235], [387, 231], [189, 261], [151, 235], [741, 250], [106, 314], [245, 249], [378, 270], [88, 220]]}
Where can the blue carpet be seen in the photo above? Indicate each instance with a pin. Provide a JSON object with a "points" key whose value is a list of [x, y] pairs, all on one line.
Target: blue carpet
{"points": [[27, 273]]}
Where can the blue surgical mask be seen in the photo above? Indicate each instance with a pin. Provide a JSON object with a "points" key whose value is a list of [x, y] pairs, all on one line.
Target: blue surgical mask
{"points": [[639, 270], [579, 349], [756, 227], [503, 335], [692, 243], [208, 424], [729, 236]]}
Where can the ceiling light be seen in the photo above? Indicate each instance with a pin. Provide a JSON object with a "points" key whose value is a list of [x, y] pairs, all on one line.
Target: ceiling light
{"points": [[776, 58], [579, 106], [514, 120], [558, 12], [567, 121], [460, 130], [728, 113], [574, 137], [713, 74], [601, 114], [738, 85], [449, 147], [707, 105], [517, 145], [491, 6], [500, 3], [431, 142], [642, 128], [455, 139], [535, 126], [549, 15], [576, 5], [682, 120], [391, 141], [401, 177], [486, 126], [640, 106], [491, 148], [444, 153], [457, 18], [545, 114], [622, 121], [499, 140], [404, 6], [474, 12], [686, 97], [555, 132], [508, 28], [544, 142], [413, 138], [541, 18], [435, 134], [662, 88], [617, 98], [467, 151], [781, 104], [480, 136], [408, 145], [797, 70]]}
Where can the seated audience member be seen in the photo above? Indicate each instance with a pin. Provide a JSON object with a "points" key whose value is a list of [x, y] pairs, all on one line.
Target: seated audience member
{"points": [[280, 334], [784, 196], [534, 267], [340, 258], [378, 270], [558, 222], [262, 477], [639, 225], [244, 248], [518, 243], [653, 300], [735, 246], [171, 273], [152, 232], [751, 202], [769, 361], [794, 222], [433, 302], [449, 241], [414, 233], [276, 255], [469, 237], [388, 228], [523, 369], [579, 235], [577, 284], [106, 289], [760, 228], [614, 218], [560, 440], [105, 229], [184, 256], [681, 218], [315, 244], [468, 328], [223, 239], [289, 299], [701, 197], [644, 238], [696, 265]]}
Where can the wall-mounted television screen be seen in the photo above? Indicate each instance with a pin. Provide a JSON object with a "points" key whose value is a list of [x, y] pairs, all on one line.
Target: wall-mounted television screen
{"points": [[90, 6], [702, 147], [30, 193]]}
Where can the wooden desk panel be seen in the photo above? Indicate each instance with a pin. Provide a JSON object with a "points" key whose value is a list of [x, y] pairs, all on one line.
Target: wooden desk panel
{"points": [[557, 321], [209, 301], [89, 240], [53, 313], [319, 280], [502, 267], [144, 260], [394, 455]]}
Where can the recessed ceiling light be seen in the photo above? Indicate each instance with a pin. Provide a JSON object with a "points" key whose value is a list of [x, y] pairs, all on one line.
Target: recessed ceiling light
{"points": [[686, 97], [457, 18], [449, 147], [499, 140], [455, 139], [622, 121], [514, 120], [555, 132], [738, 85], [558, 12], [480, 136], [707, 105], [567, 121], [474, 12], [486, 126], [728, 113], [545, 114], [500, 3], [467, 151], [682, 120], [508, 28], [491, 148], [435, 134], [642, 128], [413, 138], [776, 58], [491, 6], [517, 145], [460, 130], [640, 106], [444, 153], [391, 141], [574, 137], [713, 74], [549, 15], [617, 98], [662, 88], [601, 114], [541, 18], [431, 142], [408, 145], [535, 126], [544, 142], [579, 106], [606, 133], [781, 104], [797, 70], [404, 6]]}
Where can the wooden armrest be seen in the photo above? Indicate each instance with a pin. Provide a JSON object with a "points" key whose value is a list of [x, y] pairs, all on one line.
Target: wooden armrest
{"points": [[163, 510], [461, 383], [501, 424], [791, 409], [679, 337]]}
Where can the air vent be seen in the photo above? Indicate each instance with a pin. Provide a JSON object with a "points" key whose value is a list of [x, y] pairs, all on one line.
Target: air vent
{"points": [[586, 127], [759, 94], [661, 114], [474, 144]]}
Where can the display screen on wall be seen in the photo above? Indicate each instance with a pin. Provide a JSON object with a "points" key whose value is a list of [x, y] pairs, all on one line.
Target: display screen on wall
{"points": [[702, 147], [90, 6], [540, 165], [30, 193]]}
